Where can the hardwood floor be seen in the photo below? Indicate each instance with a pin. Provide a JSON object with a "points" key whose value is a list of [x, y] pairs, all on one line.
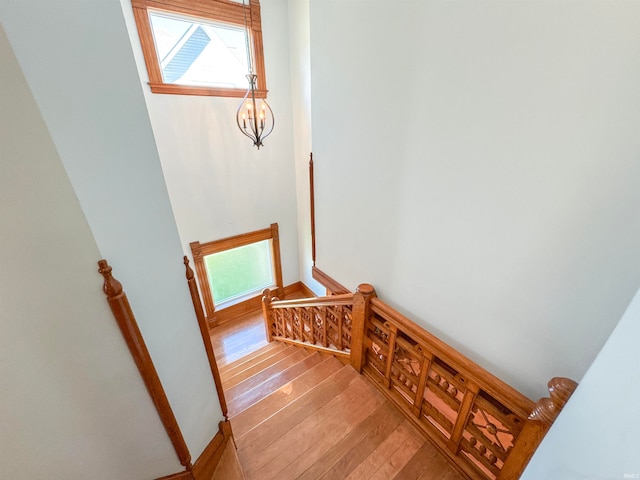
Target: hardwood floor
{"points": [[233, 340], [298, 414]]}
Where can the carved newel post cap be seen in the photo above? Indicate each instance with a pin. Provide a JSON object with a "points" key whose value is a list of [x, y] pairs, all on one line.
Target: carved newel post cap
{"points": [[112, 287], [189, 272], [366, 289], [560, 389], [266, 295], [548, 408]]}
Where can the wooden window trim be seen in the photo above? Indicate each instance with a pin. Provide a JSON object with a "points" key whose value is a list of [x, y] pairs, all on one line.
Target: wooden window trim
{"points": [[201, 250], [216, 10]]}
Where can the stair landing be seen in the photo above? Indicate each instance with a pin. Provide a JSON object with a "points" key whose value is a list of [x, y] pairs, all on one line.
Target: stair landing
{"points": [[298, 414]]}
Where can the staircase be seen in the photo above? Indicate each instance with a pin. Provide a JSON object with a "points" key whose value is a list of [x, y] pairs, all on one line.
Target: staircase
{"points": [[298, 414]]}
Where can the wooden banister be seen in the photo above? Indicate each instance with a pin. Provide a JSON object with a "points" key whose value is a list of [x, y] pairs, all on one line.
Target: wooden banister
{"points": [[123, 314], [482, 424], [266, 305], [343, 299], [513, 399], [320, 323], [312, 207], [485, 427], [204, 331]]}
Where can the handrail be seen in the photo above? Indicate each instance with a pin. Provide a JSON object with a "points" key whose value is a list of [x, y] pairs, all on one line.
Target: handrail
{"points": [[204, 332], [123, 314], [343, 299]]}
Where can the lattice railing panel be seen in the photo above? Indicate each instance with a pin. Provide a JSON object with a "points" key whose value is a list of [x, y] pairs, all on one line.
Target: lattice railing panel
{"points": [[324, 322], [452, 407]]}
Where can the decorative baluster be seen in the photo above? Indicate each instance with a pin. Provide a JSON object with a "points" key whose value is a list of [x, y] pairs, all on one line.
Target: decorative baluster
{"points": [[129, 327], [266, 312], [325, 344], [537, 426], [463, 415], [422, 382], [291, 318], [393, 333], [206, 338], [339, 318]]}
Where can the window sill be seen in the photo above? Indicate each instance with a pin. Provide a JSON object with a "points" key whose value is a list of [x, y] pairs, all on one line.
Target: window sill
{"points": [[203, 91]]}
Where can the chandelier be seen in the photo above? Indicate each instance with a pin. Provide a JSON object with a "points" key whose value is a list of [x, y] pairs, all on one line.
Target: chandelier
{"points": [[254, 116]]}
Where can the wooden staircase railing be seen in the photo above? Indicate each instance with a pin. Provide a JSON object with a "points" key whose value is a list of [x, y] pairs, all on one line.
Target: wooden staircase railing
{"points": [[324, 323], [204, 332], [119, 304], [485, 427]]}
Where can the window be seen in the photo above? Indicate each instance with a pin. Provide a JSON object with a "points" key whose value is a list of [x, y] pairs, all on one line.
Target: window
{"points": [[240, 271], [237, 268], [200, 48]]}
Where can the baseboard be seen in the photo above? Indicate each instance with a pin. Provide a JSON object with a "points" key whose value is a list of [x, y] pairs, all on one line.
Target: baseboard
{"points": [[332, 286], [254, 304], [208, 460], [206, 464], [227, 314], [298, 287]]}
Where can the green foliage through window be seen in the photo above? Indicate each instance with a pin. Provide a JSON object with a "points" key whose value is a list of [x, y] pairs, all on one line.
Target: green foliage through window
{"points": [[240, 271]]}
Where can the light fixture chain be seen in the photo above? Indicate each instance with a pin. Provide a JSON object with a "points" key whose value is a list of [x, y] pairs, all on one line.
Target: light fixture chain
{"points": [[246, 28]]}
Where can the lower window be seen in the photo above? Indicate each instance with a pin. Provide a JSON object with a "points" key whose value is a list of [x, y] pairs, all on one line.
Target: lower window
{"points": [[237, 268], [240, 272]]}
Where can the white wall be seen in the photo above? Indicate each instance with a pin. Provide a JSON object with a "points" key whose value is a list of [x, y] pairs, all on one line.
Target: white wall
{"points": [[299, 52], [72, 399], [77, 60], [219, 184], [478, 162], [596, 435]]}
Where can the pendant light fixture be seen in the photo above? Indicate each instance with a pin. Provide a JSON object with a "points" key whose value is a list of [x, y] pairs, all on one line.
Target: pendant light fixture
{"points": [[254, 116]]}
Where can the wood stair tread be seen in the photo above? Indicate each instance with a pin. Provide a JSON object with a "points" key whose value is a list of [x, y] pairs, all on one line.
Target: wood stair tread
{"points": [[300, 414], [315, 433], [286, 395], [400, 445], [263, 375], [347, 454], [424, 463], [287, 418], [258, 364], [251, 356], [278, 379]]}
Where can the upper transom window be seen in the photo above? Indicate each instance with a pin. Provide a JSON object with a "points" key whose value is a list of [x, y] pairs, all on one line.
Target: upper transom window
{"points": [[200, 48]]}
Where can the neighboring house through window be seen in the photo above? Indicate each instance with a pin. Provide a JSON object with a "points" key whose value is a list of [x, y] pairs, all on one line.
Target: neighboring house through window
{"points": [[200, 48]]}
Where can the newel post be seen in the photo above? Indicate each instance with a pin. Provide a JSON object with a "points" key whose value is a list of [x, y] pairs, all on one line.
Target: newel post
{"points": [[266, 312], [206, 338], [129, 327], [360, 314], [540, 420]]}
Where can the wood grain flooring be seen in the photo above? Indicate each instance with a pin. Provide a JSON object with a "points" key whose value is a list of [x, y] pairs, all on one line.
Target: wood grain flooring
{"points": [[298, 414]]}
